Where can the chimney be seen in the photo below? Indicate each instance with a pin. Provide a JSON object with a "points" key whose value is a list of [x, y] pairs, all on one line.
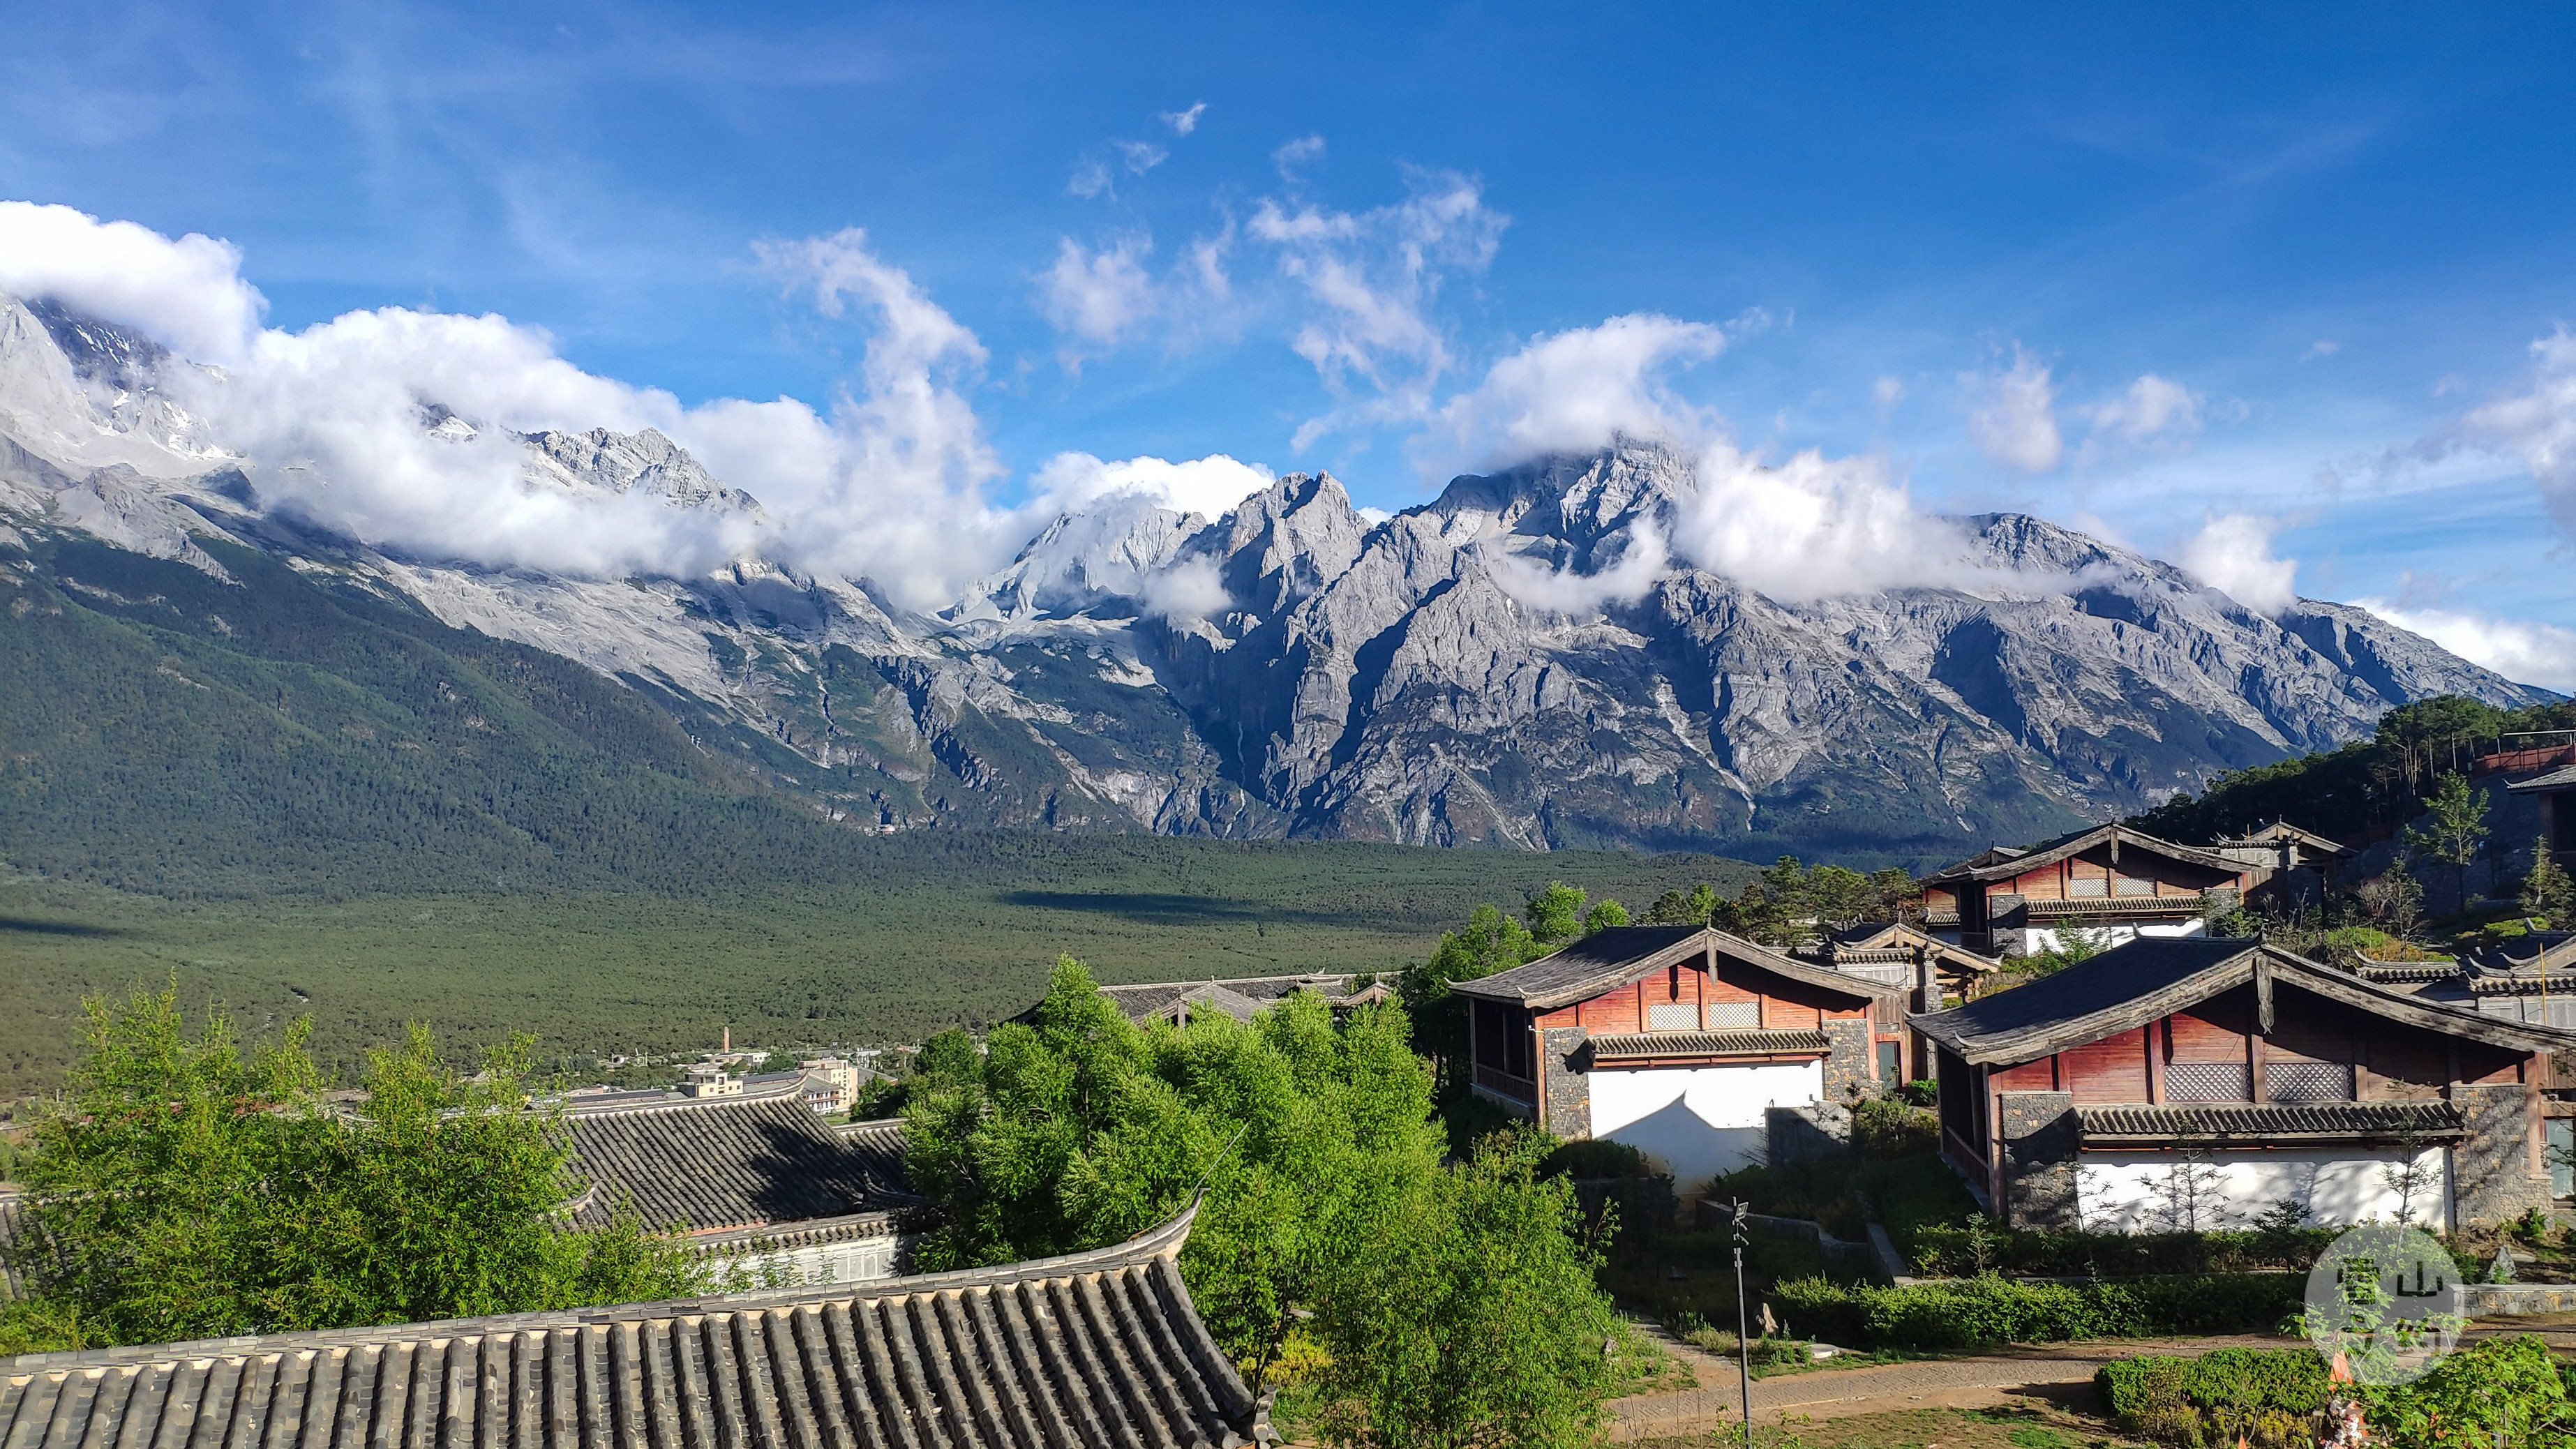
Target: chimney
{"points": [[728, 1039]]}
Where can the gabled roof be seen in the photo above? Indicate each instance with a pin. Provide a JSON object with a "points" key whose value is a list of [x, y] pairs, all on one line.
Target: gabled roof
{"points": [[2008, 864], [1898, 936], [2282, 830], [729, 1162], [1238, 996], [1099, 1348], [1621, 955], [2562, 778], [2131, 985]]}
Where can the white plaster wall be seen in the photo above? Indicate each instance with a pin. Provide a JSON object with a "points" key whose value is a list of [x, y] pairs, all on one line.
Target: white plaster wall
{"points": [[2106, 936], [2133, 1192], [860, 1260], [1696, 1122]]}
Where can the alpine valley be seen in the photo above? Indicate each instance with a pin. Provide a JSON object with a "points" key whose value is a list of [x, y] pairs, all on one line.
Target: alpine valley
{"points": [[175, 644]]}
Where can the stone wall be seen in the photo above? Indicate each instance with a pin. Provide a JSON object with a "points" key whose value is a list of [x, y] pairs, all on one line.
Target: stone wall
{"points": [[1565, 1062], [2491, 1176], [2039, 1159], [1848, 1048]]}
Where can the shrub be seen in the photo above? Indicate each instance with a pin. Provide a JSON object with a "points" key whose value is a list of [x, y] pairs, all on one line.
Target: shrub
{"points": [[1990, 1310], [1884, 1127], [1594, 1158], [2503, 1391], [2268, 1396]]}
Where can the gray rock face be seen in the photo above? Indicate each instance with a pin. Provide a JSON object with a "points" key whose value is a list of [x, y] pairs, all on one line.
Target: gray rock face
{"points": [[1291, 668]]}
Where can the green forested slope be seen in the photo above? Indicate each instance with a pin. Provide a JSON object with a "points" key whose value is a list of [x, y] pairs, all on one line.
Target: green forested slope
{"points": [[167, 731]]}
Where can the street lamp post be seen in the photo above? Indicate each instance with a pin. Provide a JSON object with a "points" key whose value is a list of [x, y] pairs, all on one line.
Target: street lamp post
{"points": [[1743, 1328]]}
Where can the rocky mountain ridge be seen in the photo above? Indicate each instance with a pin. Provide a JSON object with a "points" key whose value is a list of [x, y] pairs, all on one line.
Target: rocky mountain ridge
{"points": [[1294, 668]]}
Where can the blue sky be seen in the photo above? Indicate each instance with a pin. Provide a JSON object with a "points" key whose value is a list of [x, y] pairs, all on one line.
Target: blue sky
{"points": [[2289, 264]]}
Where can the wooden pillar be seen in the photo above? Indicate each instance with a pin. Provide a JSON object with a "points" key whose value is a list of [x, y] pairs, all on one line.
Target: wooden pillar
{"points": [[2155, 1034]]}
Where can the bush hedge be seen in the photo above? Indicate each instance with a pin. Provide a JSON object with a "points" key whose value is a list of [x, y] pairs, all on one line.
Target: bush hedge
{"points": [[2501, 1391], [1946, 1250], [1989, 1310]]}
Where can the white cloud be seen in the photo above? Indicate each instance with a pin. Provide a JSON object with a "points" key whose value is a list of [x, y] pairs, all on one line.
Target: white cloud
{"points": [[2322, 347], [1574, 391], [1295, 154], [1189, 589], [1089, 179], [1141, 156], [2232, 553], [1646, 559], [187, 294], [1812, 527], [1184, 122], [1209, 486], [2013, 415], [2539, 426], [2542, 654], [1368, 279], [1098, 296], [2152, 405], [1887, 392]]}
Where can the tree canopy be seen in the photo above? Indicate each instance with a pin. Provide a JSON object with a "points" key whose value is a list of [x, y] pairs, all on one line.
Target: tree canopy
{"points": [[189, 1188], [1328, 1214]]}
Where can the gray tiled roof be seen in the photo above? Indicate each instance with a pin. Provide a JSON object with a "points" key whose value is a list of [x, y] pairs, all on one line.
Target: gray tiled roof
{"points": [[1998, 864], [727, 1163], [2152, 976], [2564, 777], [1704, 1043], [2431, 1121], [1101, 1348], [1229, 994], [1621, 954]]}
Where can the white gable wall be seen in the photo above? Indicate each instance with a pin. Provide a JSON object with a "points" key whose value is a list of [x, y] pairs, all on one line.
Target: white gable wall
{"points": [[1696, 1122], [2143, 1192]]}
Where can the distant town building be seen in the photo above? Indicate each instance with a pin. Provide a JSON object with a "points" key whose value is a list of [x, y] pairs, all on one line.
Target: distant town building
{"points": [[709, 1079], [1101, 1348], [1681, 1041], [2194, 1084], [2110, 881]]}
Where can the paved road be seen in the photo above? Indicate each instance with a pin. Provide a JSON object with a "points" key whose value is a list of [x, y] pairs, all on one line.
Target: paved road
{"points": [[2058, 1371]]}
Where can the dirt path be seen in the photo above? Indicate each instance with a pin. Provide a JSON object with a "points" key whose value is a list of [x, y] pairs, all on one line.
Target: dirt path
{"points": [[2056, 1371]]}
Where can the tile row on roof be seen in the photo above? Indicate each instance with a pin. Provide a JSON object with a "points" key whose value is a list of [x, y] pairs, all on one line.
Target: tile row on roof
{"points": [[1625, 1045], [2284, 1122], [730, 1162], [1100, 1348]]}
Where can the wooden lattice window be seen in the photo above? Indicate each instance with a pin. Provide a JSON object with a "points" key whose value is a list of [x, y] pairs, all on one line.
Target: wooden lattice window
{"points": [[2205, 1082], [1672, 1016], [2307, 1082], [1723, 1015]]}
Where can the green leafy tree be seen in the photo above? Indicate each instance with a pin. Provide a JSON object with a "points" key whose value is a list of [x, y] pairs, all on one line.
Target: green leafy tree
{"points": [[2455, 825], [1555, 914], [1081, 1129], [1466, 1313], [2547, 892], [186, 1188], [1696, 907], [1491, 942], [1603, 916], [1836, 896], [1896, 896]]}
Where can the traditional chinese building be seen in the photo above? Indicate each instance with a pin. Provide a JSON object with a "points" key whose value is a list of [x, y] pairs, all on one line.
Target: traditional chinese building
{"points": [[1680, 1041], [1099, 1348], [2193, 1084], [2555, 794], [2112, 881], [757, 1181]]}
